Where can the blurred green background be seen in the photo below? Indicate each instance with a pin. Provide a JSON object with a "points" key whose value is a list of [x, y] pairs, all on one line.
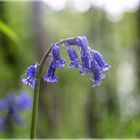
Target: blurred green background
{"points": [[72, 108]]}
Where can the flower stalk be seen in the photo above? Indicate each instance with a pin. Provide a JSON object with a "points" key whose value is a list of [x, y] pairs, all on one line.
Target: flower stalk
{"points": [[36, 95]]}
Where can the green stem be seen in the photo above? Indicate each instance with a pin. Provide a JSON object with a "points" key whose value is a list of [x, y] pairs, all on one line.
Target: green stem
{"points": [[37, 89], [36, 95]]}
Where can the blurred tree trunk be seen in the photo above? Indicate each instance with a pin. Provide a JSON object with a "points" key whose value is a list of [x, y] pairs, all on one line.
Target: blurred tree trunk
{"points": [[48, 101], [100, 33], [39, 38]]}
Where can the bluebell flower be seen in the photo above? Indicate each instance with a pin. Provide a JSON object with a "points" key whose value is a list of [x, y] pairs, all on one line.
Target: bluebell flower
{"points": [[59, 62], [74, 61], [98, 76], [100, 60], [50, 76], [86, 62], [30, 78], [12, 105]]}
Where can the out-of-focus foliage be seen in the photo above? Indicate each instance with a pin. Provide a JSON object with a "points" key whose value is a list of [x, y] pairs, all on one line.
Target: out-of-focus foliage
{"points": [[9, 32], [72, 108]]}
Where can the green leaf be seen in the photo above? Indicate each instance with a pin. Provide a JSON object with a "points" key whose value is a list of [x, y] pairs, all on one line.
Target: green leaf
{"points": [[8, 32]]}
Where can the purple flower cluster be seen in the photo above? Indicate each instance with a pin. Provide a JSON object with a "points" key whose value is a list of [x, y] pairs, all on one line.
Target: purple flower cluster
{"points": [[91, 61], [11, 106]]}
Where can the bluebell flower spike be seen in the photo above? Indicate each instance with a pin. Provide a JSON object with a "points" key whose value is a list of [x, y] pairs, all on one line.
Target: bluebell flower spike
{"points": [[59, 62], [14, 104], [92, 62], [74, 60], [50, 76]]}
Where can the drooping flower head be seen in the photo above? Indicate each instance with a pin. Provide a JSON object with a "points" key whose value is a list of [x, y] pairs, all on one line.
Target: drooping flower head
{"points": [[59, 62], [50, 76], [92, 62], [74, 60], [12, 105], [30, 78]]}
